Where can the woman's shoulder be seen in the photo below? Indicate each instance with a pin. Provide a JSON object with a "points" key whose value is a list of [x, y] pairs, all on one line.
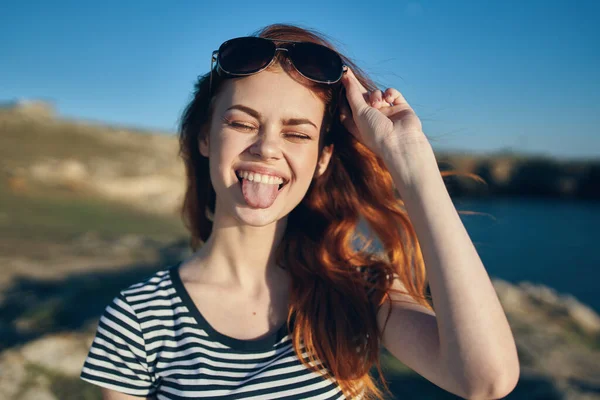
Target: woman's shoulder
{"points": [[118, 356], [155, 286], [154, 281]]}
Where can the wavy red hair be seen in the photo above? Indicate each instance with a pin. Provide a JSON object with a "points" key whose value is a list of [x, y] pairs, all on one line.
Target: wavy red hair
{"points": [[331, 313]]}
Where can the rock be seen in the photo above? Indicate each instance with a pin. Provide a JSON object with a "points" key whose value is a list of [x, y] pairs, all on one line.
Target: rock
{"points": [[12, 374], [582, 315], [31, 108], [154, 193], [510, 295], [59, 171], [565, 306], [63, 352], [37, 394], [502, 171], [29, 372], [556, 336]]}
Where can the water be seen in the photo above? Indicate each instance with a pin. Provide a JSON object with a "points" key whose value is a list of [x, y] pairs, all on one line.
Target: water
{"points": [[552, 242]]}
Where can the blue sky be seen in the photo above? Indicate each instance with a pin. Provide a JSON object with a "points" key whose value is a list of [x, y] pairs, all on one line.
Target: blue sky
{"points": [[482, 76]]}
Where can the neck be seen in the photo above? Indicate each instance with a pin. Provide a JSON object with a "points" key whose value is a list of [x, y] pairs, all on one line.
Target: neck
{"points": [[243, 257]]}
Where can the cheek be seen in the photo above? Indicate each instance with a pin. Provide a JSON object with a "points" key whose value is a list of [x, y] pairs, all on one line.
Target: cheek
{"points": [[226, 147], [303, 163], [223, 152]]}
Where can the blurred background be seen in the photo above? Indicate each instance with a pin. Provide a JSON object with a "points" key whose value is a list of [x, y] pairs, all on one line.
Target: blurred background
{"points": [[91, 183]]}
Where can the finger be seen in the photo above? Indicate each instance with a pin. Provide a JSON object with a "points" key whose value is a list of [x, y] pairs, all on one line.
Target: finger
{"points": [[376, 97], [394, 97], [355, 92]]}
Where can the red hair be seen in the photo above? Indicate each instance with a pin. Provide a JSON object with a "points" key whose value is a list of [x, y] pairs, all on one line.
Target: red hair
{"points": [[332, 315]]}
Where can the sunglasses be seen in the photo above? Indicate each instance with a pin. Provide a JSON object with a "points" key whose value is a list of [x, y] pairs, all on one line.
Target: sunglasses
{"points": [[249, 55]]}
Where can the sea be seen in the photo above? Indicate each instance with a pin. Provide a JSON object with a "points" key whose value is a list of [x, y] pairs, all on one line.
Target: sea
{"points": [[552, 242]]}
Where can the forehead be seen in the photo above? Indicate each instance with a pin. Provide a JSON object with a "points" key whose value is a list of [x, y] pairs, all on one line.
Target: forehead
{"points": [[274, 94]]}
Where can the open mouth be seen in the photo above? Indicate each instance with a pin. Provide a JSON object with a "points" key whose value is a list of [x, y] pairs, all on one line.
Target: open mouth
{"points": [[260, 190], [279, 187]]}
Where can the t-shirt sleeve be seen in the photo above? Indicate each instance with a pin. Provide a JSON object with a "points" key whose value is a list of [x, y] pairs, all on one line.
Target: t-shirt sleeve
{"points": [[117, 357]]}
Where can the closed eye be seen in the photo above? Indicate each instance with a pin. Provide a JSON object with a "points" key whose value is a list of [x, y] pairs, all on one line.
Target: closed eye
{"points": [[242, 126], [250, 127], [298, 136]]}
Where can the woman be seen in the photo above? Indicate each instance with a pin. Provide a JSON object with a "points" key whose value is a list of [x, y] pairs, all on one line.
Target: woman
{"points": [[286, 146]]}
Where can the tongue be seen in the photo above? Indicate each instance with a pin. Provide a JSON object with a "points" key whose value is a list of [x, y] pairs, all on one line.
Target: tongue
{"points": [[259, 195]]}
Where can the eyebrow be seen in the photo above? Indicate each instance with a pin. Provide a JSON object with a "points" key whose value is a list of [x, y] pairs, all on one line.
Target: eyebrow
{"points": [[258, 115]]}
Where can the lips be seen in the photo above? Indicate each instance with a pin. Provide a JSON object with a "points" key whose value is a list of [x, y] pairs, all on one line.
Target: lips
{"points": [[261, 169]]}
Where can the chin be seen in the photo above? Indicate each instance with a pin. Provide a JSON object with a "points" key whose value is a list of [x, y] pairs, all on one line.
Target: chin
{"points": [[257, 217]]}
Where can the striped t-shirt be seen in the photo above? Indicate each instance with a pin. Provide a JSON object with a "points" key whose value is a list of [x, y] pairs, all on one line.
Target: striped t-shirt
{"points": [[153, 341]]}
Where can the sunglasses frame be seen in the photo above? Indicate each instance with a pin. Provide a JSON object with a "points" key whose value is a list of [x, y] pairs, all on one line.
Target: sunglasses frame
{"points": [[215, 59]]}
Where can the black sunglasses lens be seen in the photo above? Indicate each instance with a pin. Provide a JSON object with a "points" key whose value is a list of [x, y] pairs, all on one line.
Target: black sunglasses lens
{"points": [[317, 62], [245, 55]]}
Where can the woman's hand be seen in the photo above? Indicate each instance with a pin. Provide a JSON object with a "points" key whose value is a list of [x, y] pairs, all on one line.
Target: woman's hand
{"points": [[381, 121]]}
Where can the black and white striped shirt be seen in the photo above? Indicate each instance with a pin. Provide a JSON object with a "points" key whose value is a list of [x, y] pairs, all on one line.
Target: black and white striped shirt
{"points": [[153, 341]]}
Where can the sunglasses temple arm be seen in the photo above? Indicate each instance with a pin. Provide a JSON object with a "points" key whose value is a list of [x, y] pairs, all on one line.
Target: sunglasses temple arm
{"points": [[212, 59]]}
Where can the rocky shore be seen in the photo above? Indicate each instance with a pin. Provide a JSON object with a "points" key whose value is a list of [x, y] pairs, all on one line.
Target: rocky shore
{"points": [[47, 324], [514, 175]]}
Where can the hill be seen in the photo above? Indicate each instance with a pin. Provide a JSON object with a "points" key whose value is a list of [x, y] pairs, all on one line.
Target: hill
{"points": [[86, 209]]}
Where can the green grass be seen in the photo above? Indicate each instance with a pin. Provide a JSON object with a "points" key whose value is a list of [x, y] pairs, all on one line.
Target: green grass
{"points": [[45, 212], [39, 217], [41, 214], [25, 140]]}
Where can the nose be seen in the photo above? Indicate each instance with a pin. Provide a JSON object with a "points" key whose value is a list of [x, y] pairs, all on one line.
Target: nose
{"points": [[267, 145]]}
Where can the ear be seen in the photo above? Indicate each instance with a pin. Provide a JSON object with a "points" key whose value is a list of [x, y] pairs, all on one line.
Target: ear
{"points": [[324, 160], [203, 145]]}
